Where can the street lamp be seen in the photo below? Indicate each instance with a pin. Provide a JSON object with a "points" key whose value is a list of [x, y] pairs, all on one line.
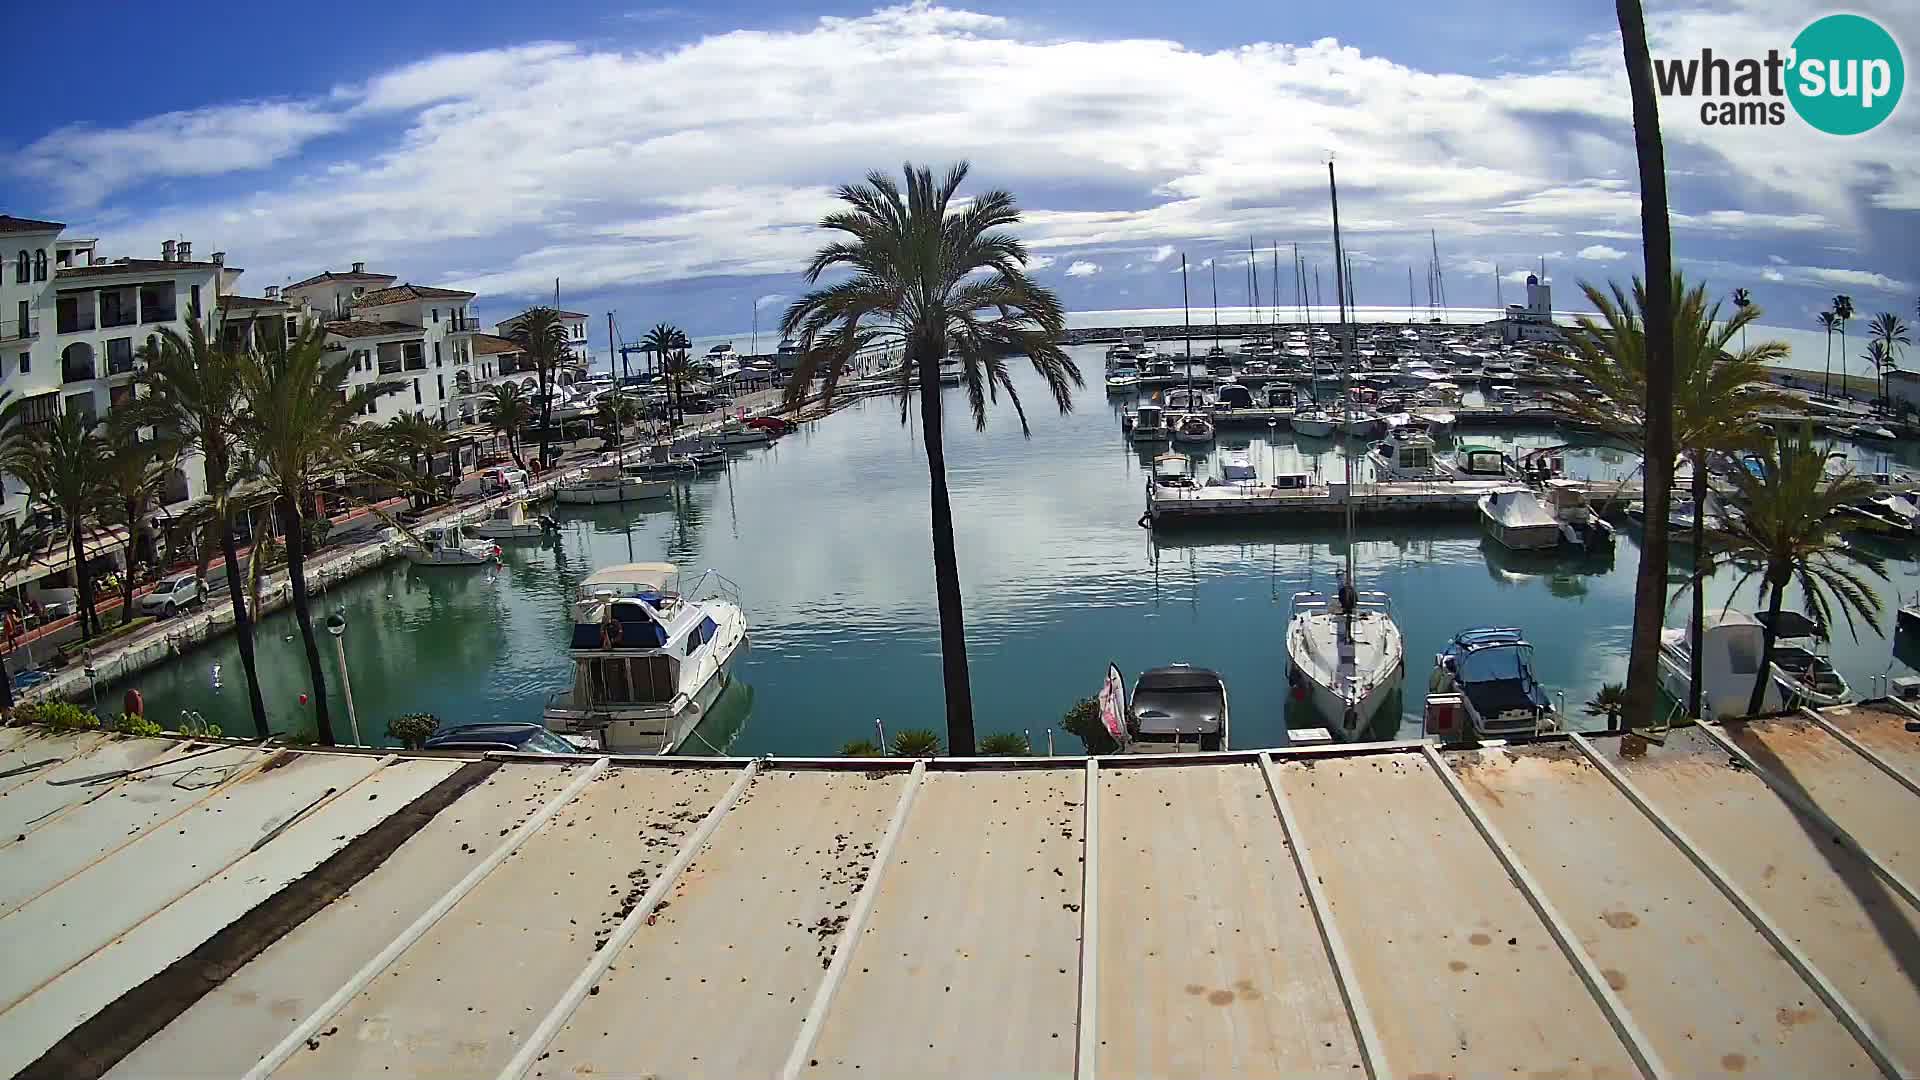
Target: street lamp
{"points": [[337, 626]]}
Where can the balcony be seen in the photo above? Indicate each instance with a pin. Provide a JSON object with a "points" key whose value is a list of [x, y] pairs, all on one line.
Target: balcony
{"points": [[20, 329]]}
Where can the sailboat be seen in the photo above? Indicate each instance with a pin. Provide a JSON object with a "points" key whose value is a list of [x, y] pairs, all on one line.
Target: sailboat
{"points": [[1344, 652]]}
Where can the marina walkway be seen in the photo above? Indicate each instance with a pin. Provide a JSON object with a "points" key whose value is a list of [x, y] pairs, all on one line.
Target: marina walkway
{"points": [[1735, 902]]}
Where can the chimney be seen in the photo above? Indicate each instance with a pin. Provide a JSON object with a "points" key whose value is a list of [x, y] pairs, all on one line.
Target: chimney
{"points": [[166, 251], [273, 292], [219, 258], [184, 252], [359, 268]]}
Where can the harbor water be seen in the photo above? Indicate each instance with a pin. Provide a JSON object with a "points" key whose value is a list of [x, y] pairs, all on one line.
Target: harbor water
{"points": [[825, 533]]}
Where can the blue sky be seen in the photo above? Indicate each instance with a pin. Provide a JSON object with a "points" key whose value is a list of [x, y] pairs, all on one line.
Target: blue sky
{"points": [[667, 162]]}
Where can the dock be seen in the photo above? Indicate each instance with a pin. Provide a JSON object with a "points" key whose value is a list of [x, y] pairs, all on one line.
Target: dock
{"points": [[1734, 902]]}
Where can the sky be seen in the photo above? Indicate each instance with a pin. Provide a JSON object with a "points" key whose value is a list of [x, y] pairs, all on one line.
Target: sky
{"points": [[670, 163]]}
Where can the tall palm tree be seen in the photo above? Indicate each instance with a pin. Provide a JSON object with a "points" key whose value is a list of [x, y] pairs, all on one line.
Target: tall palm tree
{"points": [[1842, 311], [1716, 394], [935, 280], [59, 461], [299, 427], [190, 393], [506, 410], [1786, 533], [1649, 595], [1891, 333], [1827, 322], [543, 337], [1742, 300], [133, 472]]}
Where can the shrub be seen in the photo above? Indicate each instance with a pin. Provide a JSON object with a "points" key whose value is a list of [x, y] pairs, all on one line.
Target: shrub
{"points": [[916, 742], [130, 724], [859, 748], [412, 729], [1005, 744]]}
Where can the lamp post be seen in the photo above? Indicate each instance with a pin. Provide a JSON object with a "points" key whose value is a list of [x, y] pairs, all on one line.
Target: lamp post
{"points": [[337, 626]]}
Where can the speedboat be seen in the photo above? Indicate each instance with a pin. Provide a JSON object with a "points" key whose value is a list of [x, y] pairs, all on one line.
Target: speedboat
{"points": [[1313, 422], [1490, 671], [515, 520], [1519, 520], [649, 658], [1407, 454], [450, 546], [1801, 664], [1192, 428], [610, 484], [1345, 655], [1729, 664], [1150, 424], [1176, 709]]}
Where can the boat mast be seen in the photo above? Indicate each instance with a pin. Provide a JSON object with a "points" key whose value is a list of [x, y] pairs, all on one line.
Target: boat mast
{"points": [[1340, 296]]}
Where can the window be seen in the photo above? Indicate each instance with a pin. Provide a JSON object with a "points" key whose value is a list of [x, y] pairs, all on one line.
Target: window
{"points": [[416, 391], [22, 269], [40, 265]]}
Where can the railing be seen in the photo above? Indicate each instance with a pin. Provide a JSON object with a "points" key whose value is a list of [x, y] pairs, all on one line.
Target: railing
{"points": [[15, 329]]}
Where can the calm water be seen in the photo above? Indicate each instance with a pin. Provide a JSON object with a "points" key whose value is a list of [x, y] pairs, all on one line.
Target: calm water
{"points": [[826, 535]]}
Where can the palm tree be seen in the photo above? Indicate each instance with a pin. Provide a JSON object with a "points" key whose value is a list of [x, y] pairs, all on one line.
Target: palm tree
{"points": [[1742, 299], [59, 461], [543, 337], [190, 393], [506, 410], [1716, 393], [1891, 333], [133, 473], [933, 281], [299, 428], [1787, 533], [1842, 311]]}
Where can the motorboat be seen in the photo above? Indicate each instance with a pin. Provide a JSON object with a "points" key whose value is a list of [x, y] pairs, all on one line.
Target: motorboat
{"points": [[1150, 424], [649, 657], [1345, 655], [1123, 378], [1174, 471], [1801, 663], [515, 520], [1729, 664], [1313, 422], [1176, 709], [1192, 428], [449, 546], [1236, 467], [610, 484], [1519, 520], [1407, 454], [1488, 672]]}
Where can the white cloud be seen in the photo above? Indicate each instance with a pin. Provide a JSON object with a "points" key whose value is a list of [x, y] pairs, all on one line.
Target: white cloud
{"points": [[1083, 268], [1600, 253]]}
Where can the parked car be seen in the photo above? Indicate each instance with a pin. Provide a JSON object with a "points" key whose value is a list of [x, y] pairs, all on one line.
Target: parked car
{"points": [[173, 594], [520, 738]]}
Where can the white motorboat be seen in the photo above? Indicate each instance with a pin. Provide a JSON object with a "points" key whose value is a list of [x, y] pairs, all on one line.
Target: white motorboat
{"points": [[1487, 674], [515, 520], [610, 484], [1192, 428], [1407, 454], [1315, 423], [1729, 664], [1150, 424], [1518, 520], [649, 658], [1801, 663], [449, 546], [1176, 709]]}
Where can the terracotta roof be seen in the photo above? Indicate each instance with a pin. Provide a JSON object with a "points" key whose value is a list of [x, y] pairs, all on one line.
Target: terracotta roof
{"points": [[357, 328], [137, 266], [492, 344], [250, 302], [9, 224], [411, 292], [328, 275]]}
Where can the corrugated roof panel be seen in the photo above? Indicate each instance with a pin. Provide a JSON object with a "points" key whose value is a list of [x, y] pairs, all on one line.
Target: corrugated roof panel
{"points": [[1461, 976], [1210, 961], [462, 999], [34, 803], [1824, 897], [1699, 980], [745, 939], [64, 925], [119, 814], [33, 1025], [970, 965]]}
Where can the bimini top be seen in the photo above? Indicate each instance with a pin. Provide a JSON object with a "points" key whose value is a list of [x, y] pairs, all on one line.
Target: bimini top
{"points": [[629, 579]]}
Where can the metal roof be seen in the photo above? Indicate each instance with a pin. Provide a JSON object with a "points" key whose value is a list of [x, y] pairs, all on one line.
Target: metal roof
{"points": [[1735, 901]]}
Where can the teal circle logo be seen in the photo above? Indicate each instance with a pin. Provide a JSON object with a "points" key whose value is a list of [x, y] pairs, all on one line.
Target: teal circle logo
{"points": [[1847, 74]]}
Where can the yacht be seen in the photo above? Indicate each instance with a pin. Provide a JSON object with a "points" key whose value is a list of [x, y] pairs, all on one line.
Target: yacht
{"points": [[610, 484], [1490, 671], [1192, 428], [1729, 664], [649, 659], [515, 520], [449, 546], [1801, 664], [1150, 424], [1176, 709], [1519, 520]]}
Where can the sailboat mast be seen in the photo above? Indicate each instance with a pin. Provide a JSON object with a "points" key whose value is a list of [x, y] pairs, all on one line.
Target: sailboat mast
{"points": [[1340, 295]]}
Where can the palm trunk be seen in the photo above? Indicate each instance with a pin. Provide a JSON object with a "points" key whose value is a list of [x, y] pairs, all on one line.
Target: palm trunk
{"points": [[242, 624], [1650, 594], [303, 614], [89, 623], [1696, 632], [946, 568], [1767, 634]]}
